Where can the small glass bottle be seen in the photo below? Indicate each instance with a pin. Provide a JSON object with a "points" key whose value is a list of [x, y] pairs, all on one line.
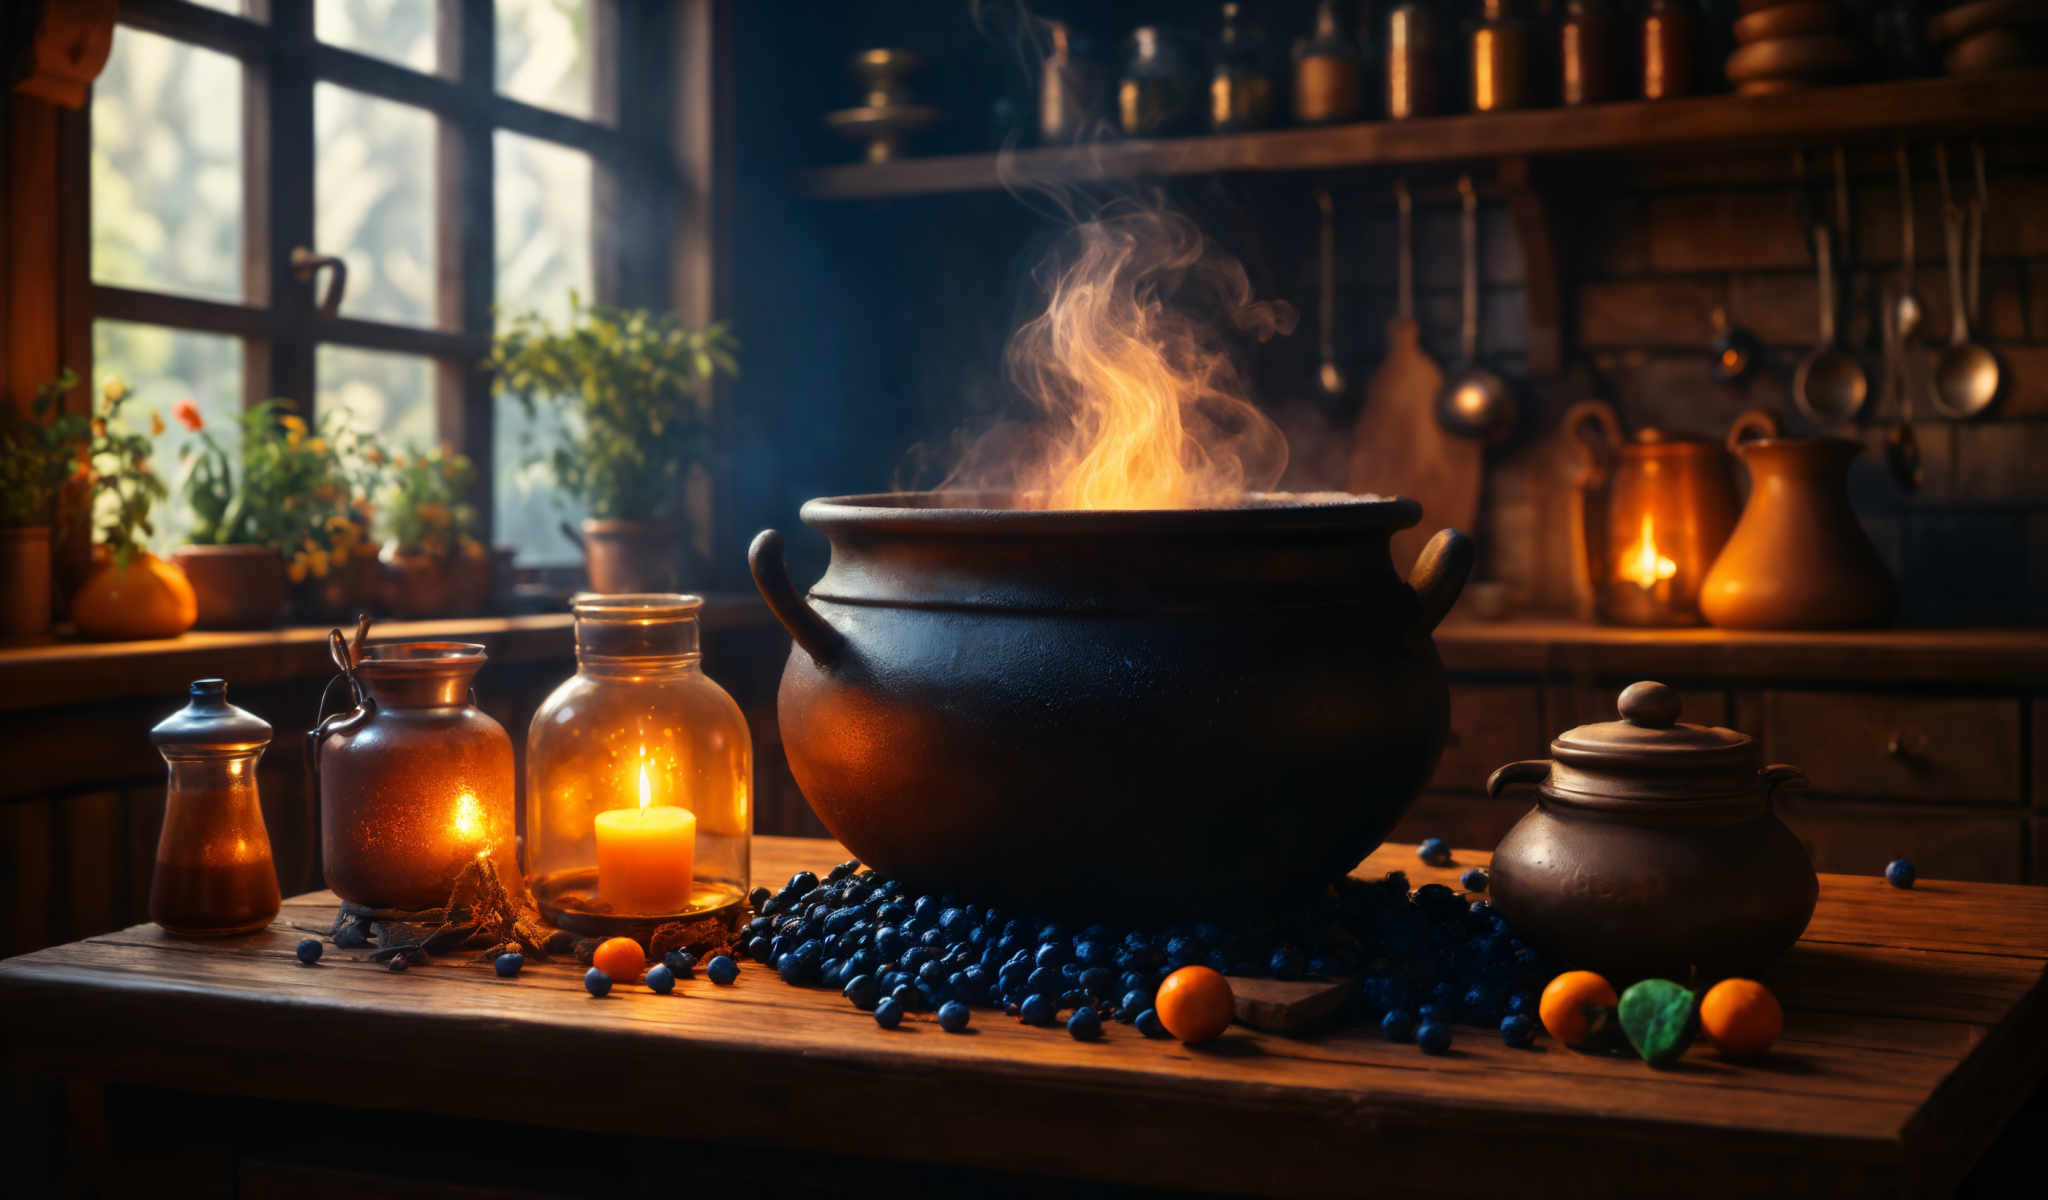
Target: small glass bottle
{"points": [[1586, 53], [1069, 86], [1412, 67], [214, 876], [1328, 72], [1667, 49], [1498, 60], [1156, 95], [639, 776], [1241, 88]]}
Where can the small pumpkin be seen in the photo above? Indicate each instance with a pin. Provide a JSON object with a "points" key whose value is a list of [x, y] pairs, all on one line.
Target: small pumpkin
{"points": [[144, 598]]}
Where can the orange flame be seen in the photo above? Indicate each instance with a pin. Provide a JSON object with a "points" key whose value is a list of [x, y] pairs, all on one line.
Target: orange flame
{"points": [[1130, 371], [1642, 565]]}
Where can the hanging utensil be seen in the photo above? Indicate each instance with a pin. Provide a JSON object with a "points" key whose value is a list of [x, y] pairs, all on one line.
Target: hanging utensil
{"points": [[1966, 376], [1830, 384], [1900, 317], [1477, 403], [1734, 349], [1331, 376]]}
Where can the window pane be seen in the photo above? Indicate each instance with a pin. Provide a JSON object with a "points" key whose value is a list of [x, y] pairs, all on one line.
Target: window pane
{"points": [[544, 54], [373, 202], [389, 395], [528, 509], [167, 168], [400, 31], [543, 199], [162, 367]]}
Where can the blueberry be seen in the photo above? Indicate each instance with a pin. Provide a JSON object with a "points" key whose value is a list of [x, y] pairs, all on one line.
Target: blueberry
{"points": [[1521, 1003], [800, 884], [1098, 981], [1045, 979], [722, 970], [927, 906], [843, 870], [954, 921], [890, 942], [1517, 1031], [1050, 954], [596, 982], [932, 972], [758, 897], [509, 965], [1473, 880], [1397, 881], [1095, 953], [904, 994], [309, 951], [1084, 1025], [1036, 1010], [1398, 1025], [915, 957], [1134, 1002], [1434, 852], [889, 1013], [1434, 1037], [1149, 1024], [864, 991], [660, 979], [1285, 963], [680, 963], [1899, 873], [760, 949], [953, 1016], [352, 937], [1183, 950]]}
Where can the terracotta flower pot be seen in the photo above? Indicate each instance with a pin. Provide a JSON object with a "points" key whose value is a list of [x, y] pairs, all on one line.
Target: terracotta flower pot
{"points": [[353, 587], [632, 556], [148, 598], [416, 585], [24, 582], [238, 587]]}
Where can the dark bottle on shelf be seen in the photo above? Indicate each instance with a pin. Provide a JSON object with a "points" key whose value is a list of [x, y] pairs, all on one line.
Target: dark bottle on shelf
{"points": [[1241, 85], [1413, 67], [1587, 50], [1328, 72], [1156, 96], [1496, 60], [1668, 35], [1071, 84]]}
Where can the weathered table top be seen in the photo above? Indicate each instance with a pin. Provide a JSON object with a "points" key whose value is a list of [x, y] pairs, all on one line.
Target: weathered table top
{"points": [[1914, 1027]]}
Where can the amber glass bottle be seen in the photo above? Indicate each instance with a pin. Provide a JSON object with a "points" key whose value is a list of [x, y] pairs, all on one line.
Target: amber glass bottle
{"points": [[213, 875]]}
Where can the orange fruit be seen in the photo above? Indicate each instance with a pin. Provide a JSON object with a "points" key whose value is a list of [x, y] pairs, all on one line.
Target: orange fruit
{"points": [[621, 958], [1578, 1008], [1741, 1017], [1195, 1004]]}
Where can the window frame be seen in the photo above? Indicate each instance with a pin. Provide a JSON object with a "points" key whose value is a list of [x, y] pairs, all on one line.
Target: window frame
{"points": [[656, 173]]}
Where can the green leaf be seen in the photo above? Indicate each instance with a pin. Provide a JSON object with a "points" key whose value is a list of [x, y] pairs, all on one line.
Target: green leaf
{"points": [[1660, 1018]]}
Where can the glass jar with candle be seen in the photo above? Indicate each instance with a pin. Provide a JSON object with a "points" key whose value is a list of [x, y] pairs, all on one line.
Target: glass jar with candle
{"points": [[415, 782], [639, 776], [214, 875]]}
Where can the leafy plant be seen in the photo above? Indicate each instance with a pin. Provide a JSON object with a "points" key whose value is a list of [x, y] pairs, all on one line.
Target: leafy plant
{"points": [[124, 488], [288, 488], [628, 383], [37, 456], [423, 506]]}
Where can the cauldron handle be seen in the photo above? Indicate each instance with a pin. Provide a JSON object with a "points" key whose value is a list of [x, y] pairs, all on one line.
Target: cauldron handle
{"points": [[771, 574], [1437, 577]]}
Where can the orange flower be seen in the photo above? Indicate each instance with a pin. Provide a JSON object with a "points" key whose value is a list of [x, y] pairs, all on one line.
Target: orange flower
{"points": [[156, 423], [188, 414]]}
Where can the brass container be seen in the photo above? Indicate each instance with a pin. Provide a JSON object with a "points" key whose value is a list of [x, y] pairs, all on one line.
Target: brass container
{"points": [[1586, 53], [1667, 50], [1799, 558], [214, 876], [1498, 66], [1653, 850], [1411, 61]]}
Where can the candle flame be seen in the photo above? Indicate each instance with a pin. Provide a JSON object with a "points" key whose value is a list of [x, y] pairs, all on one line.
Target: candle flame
{"points": [[1642, 565], [646, 789], [469, 818]]}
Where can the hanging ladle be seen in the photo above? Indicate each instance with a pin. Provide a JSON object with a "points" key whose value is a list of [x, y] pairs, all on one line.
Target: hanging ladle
{"points": [[1830, 384], [1477, 402], [1901, 319], [1331, 376], [1966, 376]]}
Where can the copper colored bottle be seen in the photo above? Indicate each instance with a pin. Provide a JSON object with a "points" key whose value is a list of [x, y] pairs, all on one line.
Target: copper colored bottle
{"points": [[1585, 53], [1411, 61], [213, 875], [1667, 49], [1328, 75], [1498, 60]]}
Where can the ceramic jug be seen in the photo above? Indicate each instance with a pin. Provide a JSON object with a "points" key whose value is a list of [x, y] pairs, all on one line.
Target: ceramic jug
{"points": [[1798, 558]]}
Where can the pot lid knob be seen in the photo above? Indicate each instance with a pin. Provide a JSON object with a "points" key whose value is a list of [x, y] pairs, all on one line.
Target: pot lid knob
{"points": [[1649, 705]]}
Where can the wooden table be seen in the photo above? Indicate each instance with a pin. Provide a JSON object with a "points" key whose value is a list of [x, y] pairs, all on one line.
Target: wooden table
{"points": [[1914, 1029]]}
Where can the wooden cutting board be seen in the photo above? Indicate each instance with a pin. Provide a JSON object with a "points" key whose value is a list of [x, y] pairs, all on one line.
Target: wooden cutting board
{"points": [[1400, 448]]}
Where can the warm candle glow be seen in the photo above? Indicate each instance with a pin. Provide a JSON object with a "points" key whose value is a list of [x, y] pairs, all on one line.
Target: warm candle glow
{"points": [[646, 856], [469, 818], [646, 790], [1642, 565]]}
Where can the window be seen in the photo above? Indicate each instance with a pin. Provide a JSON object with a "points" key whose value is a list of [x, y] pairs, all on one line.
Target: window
{"points": [[461, 158]]}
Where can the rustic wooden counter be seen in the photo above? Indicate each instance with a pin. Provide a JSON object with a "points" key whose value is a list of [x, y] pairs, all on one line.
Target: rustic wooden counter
{"points": [[1915, 1027]]}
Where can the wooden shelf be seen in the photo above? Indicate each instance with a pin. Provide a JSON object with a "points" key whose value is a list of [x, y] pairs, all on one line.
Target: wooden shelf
{"points": [[1922, 106], [61, 673], [2015, 658]]}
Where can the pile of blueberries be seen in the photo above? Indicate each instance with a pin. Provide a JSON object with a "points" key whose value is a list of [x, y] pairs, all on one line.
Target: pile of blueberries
{"points": [[1422, 961]]}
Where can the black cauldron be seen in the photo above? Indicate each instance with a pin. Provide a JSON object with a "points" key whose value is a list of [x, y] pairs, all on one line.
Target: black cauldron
{"points": [[1180, 712]]}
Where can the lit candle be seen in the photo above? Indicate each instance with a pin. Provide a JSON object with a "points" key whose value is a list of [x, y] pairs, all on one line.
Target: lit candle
{"points": [[1643, 565], [646, 855]]}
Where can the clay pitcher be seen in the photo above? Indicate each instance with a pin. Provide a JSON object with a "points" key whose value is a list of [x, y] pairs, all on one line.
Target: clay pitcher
{"points": [[1798, 558]]}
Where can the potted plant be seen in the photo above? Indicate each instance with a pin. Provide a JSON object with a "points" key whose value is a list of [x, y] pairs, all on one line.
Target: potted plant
{"points": [[37, 457], [629, 385], [232, 556], [333, 564], [129, 593], [435, 556]]}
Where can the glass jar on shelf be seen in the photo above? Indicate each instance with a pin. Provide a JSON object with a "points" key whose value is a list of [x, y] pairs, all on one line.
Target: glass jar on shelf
{"points": [[1156, 95], [639, 777], [1241, 86], [214, 875], [1328, 72], [1497, 63]]}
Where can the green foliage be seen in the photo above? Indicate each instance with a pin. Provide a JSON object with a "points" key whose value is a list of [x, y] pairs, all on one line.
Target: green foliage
{"points": [[124, 489], [423, 507], [37, 456], [630, 384], [289, 488]]}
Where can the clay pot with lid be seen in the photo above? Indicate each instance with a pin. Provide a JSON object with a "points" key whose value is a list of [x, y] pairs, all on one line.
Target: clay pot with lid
{"points": [[1653, 850]]}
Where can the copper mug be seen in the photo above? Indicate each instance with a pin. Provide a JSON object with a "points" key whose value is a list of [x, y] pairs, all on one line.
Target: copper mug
{"points": [[1799, 558], [1651, 513]]}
